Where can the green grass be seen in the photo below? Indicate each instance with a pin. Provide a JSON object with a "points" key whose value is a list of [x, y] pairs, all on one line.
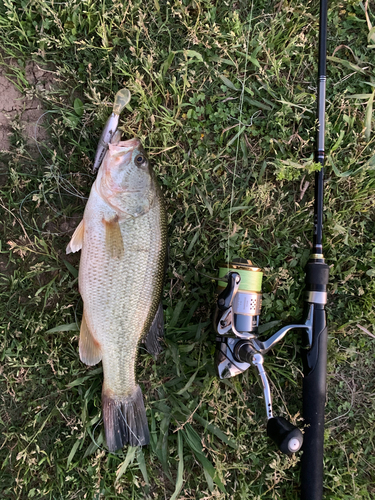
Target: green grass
{"points": [[185, 64]]}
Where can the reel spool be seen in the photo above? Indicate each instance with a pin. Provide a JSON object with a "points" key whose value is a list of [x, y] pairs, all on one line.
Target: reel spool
{"points": [[237, 345], [247, 301]]}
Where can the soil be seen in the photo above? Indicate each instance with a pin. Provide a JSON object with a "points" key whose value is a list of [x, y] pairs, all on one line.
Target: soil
{"points": [[27, 108]]}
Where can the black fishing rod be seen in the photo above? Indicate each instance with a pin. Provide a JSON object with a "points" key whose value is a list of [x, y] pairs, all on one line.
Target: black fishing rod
{"points": [[237, 319], [317, 275]]}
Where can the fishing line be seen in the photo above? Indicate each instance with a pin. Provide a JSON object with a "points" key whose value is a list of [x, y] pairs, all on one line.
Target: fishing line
{"points": [[36, 133], [239, 129], [230, 360], [93, 438], [99, 423], [75, 313], [62, 184], [100, 447], [255, 115], [44, 196], [127, 425]]}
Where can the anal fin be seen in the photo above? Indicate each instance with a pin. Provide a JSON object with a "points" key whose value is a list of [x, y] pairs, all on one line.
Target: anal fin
{"points": [[89, 348], [156, 333], [76, 242]]}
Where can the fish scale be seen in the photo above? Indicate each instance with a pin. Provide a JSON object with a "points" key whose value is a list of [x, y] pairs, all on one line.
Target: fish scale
{"points": [[123, 239], [131, 284]]}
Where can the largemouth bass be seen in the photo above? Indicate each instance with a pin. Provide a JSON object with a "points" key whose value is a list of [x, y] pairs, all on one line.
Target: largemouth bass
{"points": [[123, 238]]}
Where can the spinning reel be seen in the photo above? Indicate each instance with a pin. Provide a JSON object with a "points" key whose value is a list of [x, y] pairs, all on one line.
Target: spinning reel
{"points": [[238, 346]]}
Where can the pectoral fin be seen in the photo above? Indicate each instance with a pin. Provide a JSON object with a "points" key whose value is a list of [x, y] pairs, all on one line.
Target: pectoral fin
{"points": [[156, 333], [113, 238], [76, 242], [89, 348]]}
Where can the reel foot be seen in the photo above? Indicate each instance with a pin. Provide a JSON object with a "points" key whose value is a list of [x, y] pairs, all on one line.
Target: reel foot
{"points": [[288, 438]]}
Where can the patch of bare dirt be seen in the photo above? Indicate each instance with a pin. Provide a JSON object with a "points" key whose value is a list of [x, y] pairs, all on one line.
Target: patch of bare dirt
{"points": [[26, 107]]}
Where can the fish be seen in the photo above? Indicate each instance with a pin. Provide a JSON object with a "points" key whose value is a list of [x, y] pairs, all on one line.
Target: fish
{"points": [[123, 243]]}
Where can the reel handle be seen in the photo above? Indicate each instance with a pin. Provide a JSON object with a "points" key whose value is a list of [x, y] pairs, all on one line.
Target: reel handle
{"points": [[287, 436]]}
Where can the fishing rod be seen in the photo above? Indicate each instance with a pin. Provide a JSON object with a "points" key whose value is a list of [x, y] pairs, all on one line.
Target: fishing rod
{"points": [[237, 320], [317, 275]]}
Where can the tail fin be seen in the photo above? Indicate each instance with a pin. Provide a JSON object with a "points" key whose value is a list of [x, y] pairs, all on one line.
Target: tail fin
{"points": [[125, 420]]}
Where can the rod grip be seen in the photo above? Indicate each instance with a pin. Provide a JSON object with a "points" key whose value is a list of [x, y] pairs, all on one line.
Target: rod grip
{"points": [[314, 398]]}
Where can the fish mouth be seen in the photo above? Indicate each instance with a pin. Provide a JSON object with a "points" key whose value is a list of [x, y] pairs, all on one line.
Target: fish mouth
{"points": [[130, 144], [120, 154], [124, 149]]}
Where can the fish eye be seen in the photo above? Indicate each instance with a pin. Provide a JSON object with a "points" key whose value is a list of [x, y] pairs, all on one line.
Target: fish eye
{"points": [[139, 159]]}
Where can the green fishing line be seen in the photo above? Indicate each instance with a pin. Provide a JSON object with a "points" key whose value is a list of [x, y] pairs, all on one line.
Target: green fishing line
{"points": [[251, 281]]}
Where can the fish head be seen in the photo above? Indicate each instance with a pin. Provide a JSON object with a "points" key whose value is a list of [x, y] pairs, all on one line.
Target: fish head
{"points": [[125, 179]]}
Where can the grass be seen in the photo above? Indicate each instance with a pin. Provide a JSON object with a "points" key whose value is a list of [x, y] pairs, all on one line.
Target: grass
{"points": [[223, 98]]}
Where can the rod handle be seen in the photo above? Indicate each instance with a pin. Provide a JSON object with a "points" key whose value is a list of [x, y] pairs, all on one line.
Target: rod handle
{"points": [[314, 398]]}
